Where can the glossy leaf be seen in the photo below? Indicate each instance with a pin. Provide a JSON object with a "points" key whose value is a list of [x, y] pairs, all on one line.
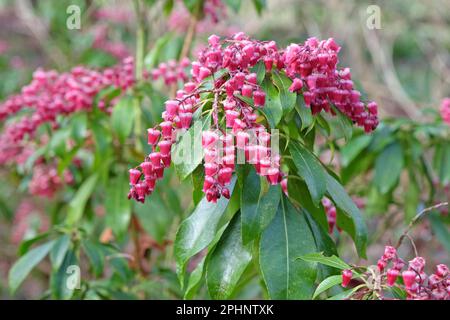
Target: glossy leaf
{"points": [[117, 205], [286, 238], [198, 230], [356, 226], [332, 261], [259, 204], [287, 98], [228, 261], [327, 283], [78, 202], [122, 118], [59, 251], [272, 109], [310, 169], [388, 167], [26, 263]]}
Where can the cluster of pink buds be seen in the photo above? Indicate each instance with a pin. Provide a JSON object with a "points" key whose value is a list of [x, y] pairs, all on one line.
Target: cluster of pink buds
{"points": [[416, 283], [117, 49], [313, 69], [420, 286], [46, 181], [227, 64], [171, 72], [445, 110], [51, 94]]}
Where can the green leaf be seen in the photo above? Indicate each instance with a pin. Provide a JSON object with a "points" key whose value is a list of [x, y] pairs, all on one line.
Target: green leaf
{"points": [[194, 280], [356, 226], [388, 167], [260, 70], [287, 98], [78, 202], [187, 153], [412, 197], [259, 5], [228, 261], [310, 169], [26, 263], [122, 118], [259, 204], [65, 279], [444, 168], [198, 230], [304, 112], [59, 251], [25, 245], [354, 148], [287, 237], [117, 205], [331, 261], [326, 284], [95, 255], [234, 4], [272, 109]]}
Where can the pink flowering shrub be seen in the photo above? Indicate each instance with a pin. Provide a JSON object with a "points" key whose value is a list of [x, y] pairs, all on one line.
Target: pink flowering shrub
{"points": [[445, 110], [239, 99]]}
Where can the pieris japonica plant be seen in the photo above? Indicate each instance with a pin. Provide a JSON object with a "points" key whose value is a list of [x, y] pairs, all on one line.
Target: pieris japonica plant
{"points": [[243, 128]]}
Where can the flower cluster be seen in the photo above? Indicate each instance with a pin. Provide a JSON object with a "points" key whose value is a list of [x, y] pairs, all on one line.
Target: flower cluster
{"points": [[117, 49], [313, 69], [46, 181], [445, 110], [236, 98], [330, 211], [416, 283], [51, 94], [171, 72]]}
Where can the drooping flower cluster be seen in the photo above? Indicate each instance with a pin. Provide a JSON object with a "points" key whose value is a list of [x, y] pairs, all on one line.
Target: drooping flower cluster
{"points": [[50, 95], [227, 64], [171, 72], [417, 284], [313, 69], [330, 211], [445, 110]]}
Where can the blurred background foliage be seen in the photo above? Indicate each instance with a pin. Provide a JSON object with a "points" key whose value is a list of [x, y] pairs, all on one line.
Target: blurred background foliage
{"points": [[404, 66]]}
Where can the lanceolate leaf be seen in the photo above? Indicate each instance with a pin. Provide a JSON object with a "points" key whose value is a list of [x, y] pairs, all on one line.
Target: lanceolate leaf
{"points": [[59, 250], [122, 118], [198, 230], [76, 206], [287, 98], [228, 261], [310, 169], [331, 261], [65, 279], [353, 148], [286, 238], [273, 109], [388, 167], [26, 263], [354, 225], [118, 207], [326, 284], [259, 204]]}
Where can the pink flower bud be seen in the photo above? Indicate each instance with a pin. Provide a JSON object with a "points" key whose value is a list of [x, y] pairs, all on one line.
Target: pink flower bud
{"points": [[134, 176], [226, 193], [296, 85], [211, 169], [164, 147], [147, 168], [230, 116], [273, 174], [409, 278], [155, 158], [209, 138], [224, 176], [208, 183], [247, 90], [259, 98], [242, 139], [346, 277], [203, 73], [392, 275], [185, 120], [153, 136], [166, 128]]}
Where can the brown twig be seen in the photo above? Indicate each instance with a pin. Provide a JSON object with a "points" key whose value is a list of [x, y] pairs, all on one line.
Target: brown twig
{"points": [[414, 220]]}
